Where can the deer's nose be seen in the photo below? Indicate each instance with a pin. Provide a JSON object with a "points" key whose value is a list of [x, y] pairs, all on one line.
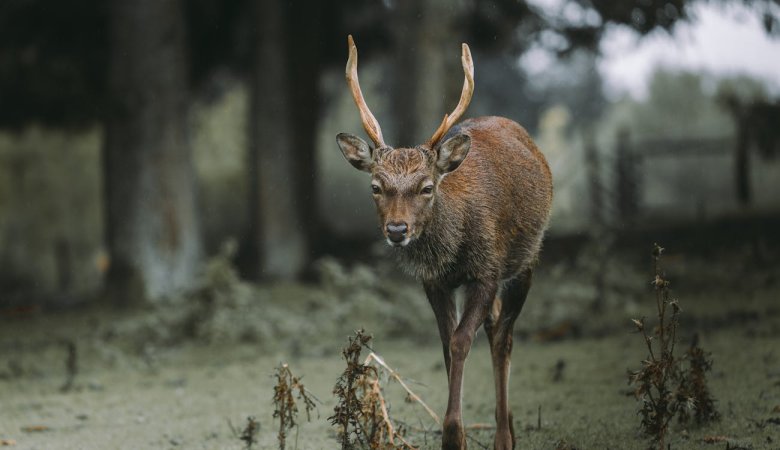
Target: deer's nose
{"points": [[396, 231]]}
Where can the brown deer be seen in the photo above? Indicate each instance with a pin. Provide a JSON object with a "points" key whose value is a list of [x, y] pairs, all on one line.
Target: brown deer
{"points": [[468, 207]]}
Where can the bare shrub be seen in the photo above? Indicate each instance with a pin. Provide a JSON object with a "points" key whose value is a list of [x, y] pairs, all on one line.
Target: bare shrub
{"points": [[285, 403], [661, 384]]}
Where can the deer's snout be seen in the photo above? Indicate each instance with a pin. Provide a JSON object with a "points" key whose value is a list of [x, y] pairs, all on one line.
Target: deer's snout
{"points": [[396, 232]]}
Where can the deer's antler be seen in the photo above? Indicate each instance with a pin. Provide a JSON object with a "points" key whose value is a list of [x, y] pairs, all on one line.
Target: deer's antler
{"points": [[465, 98], [370, 123]]}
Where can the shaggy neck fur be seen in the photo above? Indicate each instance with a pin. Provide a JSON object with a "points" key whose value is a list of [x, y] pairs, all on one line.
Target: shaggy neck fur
{"points": [[433, 254]]}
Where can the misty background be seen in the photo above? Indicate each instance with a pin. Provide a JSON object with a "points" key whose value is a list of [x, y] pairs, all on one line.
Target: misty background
{"points": [[138, 138], [176, 218]]}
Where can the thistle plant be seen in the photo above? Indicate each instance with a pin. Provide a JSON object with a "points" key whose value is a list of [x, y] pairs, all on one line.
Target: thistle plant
{"points": [[663, 387], [285, 403], [362, 413]]}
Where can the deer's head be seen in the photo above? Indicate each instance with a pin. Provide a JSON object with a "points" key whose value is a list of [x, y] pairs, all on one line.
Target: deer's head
{"points": [[405, 181]]}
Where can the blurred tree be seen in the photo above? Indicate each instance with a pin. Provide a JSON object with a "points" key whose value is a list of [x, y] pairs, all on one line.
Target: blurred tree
{"points": [[219, 37], [576, 24], [292, 46], [53, 55], [277, 240], [427, 74], [80, 62], [679, 105], [574, 81], [53, 58], [152, 225], [756, 119], [406, 69], [305, 31]]}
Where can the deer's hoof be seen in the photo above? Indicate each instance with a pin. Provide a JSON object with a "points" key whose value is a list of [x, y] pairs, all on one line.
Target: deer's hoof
{"points": [[503, 441], [505, 436], [453, 437]]}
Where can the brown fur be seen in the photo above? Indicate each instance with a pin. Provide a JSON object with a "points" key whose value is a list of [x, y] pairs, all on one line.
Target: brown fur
{"points": [[490, 214], [481, 226], [467, 208]]}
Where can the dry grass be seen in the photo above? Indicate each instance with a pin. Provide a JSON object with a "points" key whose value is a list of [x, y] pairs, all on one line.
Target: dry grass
{"points": [[362, 413]]}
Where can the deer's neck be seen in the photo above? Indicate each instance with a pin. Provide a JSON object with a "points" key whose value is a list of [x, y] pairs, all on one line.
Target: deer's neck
{"points": [[433, 254]]}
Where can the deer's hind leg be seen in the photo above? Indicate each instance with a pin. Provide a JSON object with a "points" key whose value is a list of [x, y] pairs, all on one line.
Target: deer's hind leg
{"points": [[498, 327]]}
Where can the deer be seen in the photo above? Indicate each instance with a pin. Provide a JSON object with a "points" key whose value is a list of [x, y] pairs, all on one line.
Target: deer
{"points": [[469, 207]]}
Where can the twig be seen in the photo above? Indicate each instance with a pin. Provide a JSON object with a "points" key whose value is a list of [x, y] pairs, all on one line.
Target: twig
{"points": [[480, 426], [539, 418], [474, 440], [373, 356], [383, 407], [71, 365]]}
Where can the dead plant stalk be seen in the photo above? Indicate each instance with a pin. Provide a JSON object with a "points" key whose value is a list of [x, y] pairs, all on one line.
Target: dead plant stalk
{"points": [[362, 414], [664, 388], [285, 403]]}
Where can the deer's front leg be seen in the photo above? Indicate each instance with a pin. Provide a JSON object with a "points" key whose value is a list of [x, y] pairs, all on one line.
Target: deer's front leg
{"points": [[442, 300], [479, 300]]}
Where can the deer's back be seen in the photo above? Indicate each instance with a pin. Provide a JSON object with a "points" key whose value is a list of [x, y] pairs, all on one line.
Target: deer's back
{"points": [[500, 196]]}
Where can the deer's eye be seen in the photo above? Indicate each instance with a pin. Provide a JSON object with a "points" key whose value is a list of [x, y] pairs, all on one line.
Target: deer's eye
{"points": [[375, 189], [427, 189]]}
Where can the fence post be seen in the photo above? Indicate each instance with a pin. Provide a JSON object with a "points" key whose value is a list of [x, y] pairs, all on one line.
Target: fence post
{"points": [[601, 236], [742, 161], [595, 187], [626, 195]]}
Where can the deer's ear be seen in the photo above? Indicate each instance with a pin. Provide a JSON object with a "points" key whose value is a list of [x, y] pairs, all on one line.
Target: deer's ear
{"points": [[452, 152], [356, 151]]}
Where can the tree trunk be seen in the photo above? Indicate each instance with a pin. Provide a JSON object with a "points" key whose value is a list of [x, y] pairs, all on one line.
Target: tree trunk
{"points": [[406, 72], [428, 74], [626, 190], [152, 227], [304, 31], [742, 161], [277, 238]]}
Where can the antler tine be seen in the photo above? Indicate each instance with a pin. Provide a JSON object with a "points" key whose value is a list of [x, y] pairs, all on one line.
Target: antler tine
{"points": [[465, 98], [370, 123]]}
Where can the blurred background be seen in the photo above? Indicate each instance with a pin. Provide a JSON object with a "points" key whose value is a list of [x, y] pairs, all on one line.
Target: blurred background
{"points": [[136, 138], [173, 204]]}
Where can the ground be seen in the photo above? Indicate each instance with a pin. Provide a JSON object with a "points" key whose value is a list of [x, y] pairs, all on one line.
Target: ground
{"points": [[189, 375]]}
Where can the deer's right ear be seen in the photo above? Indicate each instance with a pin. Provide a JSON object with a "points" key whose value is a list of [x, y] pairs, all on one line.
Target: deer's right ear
{"points": [[357, 152]]}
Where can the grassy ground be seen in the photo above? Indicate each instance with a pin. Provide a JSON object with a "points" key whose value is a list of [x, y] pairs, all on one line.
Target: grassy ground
{"points": [[177, 376]]}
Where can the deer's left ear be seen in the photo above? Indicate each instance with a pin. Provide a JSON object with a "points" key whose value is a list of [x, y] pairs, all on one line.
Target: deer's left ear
{"points": [[357, 152], [452, 152]]}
